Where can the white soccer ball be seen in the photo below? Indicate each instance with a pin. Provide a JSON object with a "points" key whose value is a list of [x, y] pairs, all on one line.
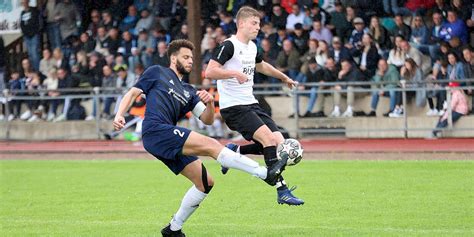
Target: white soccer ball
{"points": [[292, 149]]}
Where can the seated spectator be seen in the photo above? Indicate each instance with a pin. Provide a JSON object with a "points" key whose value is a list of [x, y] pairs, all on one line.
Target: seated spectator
{"points": [[436, 89], [102, 41], [51, 84], [330, 74], [86, 44], [13, 85], [64, 82], [278, 16], [118, 9], [95, 22], [183, 33], [210, 51], [454, 27], [108, 21], [320, 14], [80, 70], [441, 7], [355, 40], [295, 17], [310, 53], [141, 4], [396, 56], [113, 41], [322, 53], [300, 39], [278, 38], [419, 32], [339, 23], [380, 35], [320, 32], [227, 23], [413, 77], [368, 56], [160, 56], [468, 66], [288, 61], [34, 111], [459, 108], [308, 19], [419, 58], [455, 67], [208, 36], [432, 44], [46, 63], [128, 23], [315, 74], [338, 51], [389, 77], [109, 83], [401, 28], [126, 45], [348, 73], [146, 20]]}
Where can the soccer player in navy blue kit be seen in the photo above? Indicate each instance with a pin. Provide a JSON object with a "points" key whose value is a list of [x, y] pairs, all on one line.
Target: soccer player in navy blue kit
{"points": [[168, 100]]}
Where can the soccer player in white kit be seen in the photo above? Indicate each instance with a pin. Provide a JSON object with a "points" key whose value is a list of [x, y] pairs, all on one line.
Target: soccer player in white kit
{"points": [[233, 66]]}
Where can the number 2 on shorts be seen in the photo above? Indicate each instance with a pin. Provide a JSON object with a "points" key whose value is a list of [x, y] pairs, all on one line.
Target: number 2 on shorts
{"points": [[179, 133]]}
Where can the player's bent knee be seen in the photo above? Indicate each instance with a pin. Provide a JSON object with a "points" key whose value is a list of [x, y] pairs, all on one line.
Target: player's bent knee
{"points": [[207, 183]]}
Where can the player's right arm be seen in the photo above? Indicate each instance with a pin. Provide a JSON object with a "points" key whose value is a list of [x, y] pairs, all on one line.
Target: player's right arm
{"points": [[214, 70], [125, 103]]}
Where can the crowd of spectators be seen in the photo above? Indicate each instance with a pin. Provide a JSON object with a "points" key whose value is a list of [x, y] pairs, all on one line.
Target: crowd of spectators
{"points": [[108, 44]]}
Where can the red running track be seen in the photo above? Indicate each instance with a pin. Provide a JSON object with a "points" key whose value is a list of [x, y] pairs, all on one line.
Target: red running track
{"points": [[310, 145]]}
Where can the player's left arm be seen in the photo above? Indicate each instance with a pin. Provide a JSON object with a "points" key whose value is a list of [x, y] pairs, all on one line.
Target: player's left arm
{"points": [[204, 109], [269, 70]]}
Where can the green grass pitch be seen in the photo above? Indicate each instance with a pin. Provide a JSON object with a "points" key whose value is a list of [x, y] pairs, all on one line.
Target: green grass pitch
{"points": [[138, 197]]}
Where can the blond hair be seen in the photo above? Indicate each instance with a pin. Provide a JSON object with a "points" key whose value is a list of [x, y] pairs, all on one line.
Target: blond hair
{"points": [[246, 12]]}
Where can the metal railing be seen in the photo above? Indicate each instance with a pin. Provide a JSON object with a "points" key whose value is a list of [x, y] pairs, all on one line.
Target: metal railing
{"points": [[260, 89]]}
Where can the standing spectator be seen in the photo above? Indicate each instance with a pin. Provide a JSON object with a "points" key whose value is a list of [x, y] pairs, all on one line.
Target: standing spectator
{"points": [[30, 27], [278, 17], [468, 66], [454, 27], [52, 26], [355, 41], [330, 74], [413, 76], [160, 56], [288, 60], [338, 51], [458, 106], [389, 76], [130, 20], [295, 17], [320, 32], [145, 48], [46, 63], [109, 82], [380, 35], [368, 55], [401, 28], [349, 73], [68, 18]]}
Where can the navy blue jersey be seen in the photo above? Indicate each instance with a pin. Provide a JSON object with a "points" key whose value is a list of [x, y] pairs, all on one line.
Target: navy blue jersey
{"points": [[168, 98]]}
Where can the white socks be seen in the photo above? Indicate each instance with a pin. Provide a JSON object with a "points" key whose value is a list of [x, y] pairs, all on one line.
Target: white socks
{"points": [[230, 159], [190, 203]]}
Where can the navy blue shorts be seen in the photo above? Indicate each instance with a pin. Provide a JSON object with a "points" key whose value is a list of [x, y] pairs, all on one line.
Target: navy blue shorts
{"points": [[166, 143]]}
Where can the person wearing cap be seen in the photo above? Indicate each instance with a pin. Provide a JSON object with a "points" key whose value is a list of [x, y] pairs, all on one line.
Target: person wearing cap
{"points": [[338, 51], [300, 38], [459, 108], [355, 40], [320, 32]]}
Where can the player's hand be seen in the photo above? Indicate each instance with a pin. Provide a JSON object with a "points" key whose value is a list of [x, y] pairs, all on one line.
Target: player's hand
{"points": [[241, 77], [205, 96], [119, 122], [291, 83]]}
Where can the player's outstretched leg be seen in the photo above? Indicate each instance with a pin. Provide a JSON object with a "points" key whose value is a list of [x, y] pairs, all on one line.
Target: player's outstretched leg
{"points": [[269, 142], [197, 144]]}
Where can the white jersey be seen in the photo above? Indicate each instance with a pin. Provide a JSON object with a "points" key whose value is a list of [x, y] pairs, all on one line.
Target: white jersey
{"points": [[235, 55]]}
